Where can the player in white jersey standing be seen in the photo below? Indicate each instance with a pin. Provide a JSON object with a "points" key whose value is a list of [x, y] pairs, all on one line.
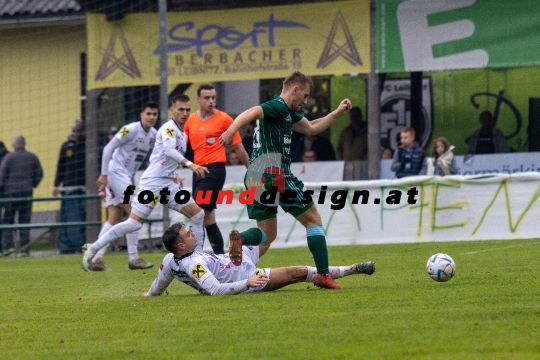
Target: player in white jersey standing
{"points": [[121, 159], [215, 274], [159, 182]]}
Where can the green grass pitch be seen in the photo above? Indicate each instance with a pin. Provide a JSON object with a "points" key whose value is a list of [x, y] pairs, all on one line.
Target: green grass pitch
{"points": [[51, 309]]}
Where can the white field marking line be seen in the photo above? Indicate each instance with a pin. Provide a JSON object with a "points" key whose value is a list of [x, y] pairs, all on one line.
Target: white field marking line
{"points": [[495, 249]]}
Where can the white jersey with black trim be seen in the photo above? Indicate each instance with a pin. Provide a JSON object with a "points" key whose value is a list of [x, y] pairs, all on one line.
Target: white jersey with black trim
{"points": [[208, 273], [136, 143], [160, 164]]}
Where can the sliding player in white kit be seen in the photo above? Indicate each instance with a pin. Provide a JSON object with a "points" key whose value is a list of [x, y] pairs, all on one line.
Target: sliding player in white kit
{"points": [[121, 159], [212, 274], [160, 176]]}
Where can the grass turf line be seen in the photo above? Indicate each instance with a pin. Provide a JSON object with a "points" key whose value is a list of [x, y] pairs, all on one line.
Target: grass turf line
{"points": [[52, 309]]}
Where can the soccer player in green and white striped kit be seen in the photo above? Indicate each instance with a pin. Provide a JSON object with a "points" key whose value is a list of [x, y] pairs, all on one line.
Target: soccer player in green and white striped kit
{"points": [[271, 161]]}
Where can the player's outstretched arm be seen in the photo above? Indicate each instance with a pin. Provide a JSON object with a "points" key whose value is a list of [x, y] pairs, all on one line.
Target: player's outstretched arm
{"points": [[212, 286], [241, 120], [161, 282], [317, 126]]}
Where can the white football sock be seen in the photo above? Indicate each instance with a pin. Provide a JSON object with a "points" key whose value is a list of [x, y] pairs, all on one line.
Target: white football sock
{"points": [[311, 273], [336, 271], [196, 225], [132, 240], [118, 230], [106, 227]]}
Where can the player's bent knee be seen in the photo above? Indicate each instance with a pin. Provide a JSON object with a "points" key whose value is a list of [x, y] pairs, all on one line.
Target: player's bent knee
{"points": [[198, 218]]}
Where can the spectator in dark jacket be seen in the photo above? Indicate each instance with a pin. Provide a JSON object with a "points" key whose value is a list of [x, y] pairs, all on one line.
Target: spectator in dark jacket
{"points": [[70, 173], [3, 153], [71, 168], [409, 158], [20, 173], [317, 143]]}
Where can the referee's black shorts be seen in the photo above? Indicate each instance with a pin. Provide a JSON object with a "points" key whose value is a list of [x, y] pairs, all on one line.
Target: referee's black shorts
{"points": [[212, 181]]}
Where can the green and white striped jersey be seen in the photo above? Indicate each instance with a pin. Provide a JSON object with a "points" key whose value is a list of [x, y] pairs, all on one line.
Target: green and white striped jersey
{"points": [[273, 132]]}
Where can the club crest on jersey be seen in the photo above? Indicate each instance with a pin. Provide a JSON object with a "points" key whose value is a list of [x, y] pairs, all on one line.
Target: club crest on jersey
{"points": [[198, 271], [169, 132], [210, 140], [124, 131]]}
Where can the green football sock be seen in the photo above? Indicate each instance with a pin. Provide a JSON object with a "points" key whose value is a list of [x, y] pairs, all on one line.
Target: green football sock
{"points": [[317, 246], [253, 236]]}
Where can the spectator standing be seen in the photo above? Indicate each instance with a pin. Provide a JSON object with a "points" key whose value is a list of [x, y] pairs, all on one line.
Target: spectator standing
{"points": [[71, 174], [352, 144], [387, 153], [409, 158], [247, 140], [112, 131], [203, 128], [309, 156], [20, 173], [320, 145], [232, 159], [488, 139], [442, 160], [3, 152]]}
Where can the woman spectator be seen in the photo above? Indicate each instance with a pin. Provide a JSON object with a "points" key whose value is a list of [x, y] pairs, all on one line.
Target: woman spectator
{"points": [[442, 160]]}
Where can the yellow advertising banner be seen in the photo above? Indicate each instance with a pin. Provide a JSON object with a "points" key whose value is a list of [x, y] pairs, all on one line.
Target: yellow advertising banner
{"points": [[238, 44]]}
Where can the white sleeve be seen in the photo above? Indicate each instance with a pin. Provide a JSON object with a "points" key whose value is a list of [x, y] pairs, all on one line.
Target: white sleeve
{"points": [[162, 281], [169, 147], [213, 287], [108, 153]]}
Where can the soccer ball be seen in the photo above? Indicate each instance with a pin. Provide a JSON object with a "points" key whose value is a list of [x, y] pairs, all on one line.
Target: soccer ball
{"points": [[441, 267]]}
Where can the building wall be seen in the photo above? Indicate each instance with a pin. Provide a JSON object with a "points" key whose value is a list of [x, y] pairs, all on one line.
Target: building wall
{"points": [[40, 90]]}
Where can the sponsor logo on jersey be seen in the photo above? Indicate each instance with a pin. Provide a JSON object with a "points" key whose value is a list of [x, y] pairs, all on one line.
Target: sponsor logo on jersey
{"points": [[169, 132], [198, 271], [287, 140], [124, 131], [179, 273], [210, 140]]}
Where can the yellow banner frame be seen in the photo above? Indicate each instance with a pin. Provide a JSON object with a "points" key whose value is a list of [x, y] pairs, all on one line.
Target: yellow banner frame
{"points": [[239, 44]]}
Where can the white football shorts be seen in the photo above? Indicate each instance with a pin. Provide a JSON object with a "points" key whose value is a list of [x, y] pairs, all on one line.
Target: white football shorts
{"points": [[155, 185]]}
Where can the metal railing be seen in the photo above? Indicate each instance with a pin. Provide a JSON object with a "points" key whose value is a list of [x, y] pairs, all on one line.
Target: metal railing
{"points": [[48, 225]]}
